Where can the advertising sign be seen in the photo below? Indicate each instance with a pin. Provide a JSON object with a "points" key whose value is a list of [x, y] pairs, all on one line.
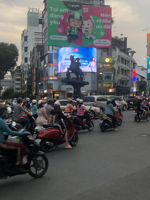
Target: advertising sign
{"points": [[85, 55], [71, 24], [148, 44], [148, 68]]}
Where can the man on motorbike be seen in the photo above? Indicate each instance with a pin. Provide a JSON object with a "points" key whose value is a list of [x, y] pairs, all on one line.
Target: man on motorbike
{"points": [[34, 108], [109, 111], [70, 107], [28, 104], [5, 132], [80, 111], [49, 107], [113, 102], [18, 111]]}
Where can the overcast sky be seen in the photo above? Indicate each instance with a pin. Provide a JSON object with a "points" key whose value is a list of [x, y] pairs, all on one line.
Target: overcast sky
{"points": [[131, 18]]}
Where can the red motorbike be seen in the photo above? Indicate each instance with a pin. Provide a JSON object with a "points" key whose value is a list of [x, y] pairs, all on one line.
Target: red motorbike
{"points": [[80, 124], [50, 136]]}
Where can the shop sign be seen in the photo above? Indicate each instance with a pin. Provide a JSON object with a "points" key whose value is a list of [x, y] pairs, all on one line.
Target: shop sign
{"points": [[50, 78], [107, 60]]}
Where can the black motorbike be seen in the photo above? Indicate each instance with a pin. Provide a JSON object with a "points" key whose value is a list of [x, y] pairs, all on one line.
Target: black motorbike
{"points": [[139, 116], [105, 123], [35, 163], [120, 112]]}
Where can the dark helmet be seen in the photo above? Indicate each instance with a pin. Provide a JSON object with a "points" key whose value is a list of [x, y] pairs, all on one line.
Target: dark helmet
{"points": [[19, 100], [50, 101], [54, 100], [3, 111]]}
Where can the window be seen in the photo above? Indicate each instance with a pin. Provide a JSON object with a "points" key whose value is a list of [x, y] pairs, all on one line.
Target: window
{"points": [[25, 38], [108, 76], [49, 85], [40, 21], [25, 49], [50, 58], [107, 85], [63, 103], [122, 71], [55, 56], [100, 85], [100, 76], [25, 59], [101, 99], [88, 99]]}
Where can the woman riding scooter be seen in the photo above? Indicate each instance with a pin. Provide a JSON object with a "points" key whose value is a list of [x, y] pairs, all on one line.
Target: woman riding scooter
{"points": [[109, 111], [80, 111], [70, 107], [41, 112]]}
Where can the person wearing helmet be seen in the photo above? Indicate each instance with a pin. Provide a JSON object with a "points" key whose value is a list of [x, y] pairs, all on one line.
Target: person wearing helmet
{"points": [[28, 104], [41, 112], [18, 112], [34, 108], [5, 132], [144, 106], [109, 111], [113, 102], [77, 101], [60, 117], [80, 111], [49, 107], [70, 107]]}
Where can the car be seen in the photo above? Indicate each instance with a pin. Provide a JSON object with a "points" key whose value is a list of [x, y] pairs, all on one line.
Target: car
{"points": [[122, 102], [130, 101], [95, 112], [97, 101]]}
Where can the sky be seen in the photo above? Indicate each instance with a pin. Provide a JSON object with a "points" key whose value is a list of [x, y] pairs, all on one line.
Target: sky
{"points": [[131, 18]]}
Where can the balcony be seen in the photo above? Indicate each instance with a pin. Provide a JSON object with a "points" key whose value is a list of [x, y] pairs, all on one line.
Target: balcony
{"points": [[123, 66], [125, 78]]}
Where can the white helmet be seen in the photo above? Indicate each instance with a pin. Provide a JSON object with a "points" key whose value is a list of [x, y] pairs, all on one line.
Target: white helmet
{"points": [[57, 103], [34, 101], [80, 101], [27, 99]]}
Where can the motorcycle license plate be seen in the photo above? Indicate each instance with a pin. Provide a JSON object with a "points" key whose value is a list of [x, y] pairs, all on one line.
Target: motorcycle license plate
{"points": [[100, 121]]}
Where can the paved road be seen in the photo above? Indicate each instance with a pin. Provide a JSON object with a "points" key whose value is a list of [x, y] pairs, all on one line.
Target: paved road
{"points": [[109, 166]]}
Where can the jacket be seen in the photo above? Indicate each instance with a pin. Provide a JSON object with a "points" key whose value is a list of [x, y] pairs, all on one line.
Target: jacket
{"points": [[109, 109]]}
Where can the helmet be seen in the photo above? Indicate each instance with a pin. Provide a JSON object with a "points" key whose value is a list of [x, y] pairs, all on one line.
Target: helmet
{"points": [[41, 102], [80, 101], [50, 101], [77, 99], [108, 100], [57, 103], [27, 99], [19, 100], [136, 97], [34, 101], [69, 100], [143, 98], [112, 98]]}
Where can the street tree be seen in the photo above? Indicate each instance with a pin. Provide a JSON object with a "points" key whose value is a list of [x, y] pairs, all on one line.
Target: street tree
{"points": [[8, 58]]}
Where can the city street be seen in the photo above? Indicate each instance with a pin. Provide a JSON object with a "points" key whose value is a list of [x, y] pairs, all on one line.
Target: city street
{"points": [[111, 165]]}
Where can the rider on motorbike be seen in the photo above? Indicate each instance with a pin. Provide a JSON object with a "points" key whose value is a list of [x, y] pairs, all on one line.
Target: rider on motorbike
{"points": [[80, 111], [145, 104], [34, 108], [70, 107], [5, 132], [18, 111], [41, 112], [49, 107], [109, 111], [113, 102]]}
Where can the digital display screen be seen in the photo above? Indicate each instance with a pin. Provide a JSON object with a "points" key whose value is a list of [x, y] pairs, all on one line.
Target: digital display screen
{"points": [[85, 55]]}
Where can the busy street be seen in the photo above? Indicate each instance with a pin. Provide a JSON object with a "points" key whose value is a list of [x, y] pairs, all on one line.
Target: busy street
{"points": [[110, 165]]}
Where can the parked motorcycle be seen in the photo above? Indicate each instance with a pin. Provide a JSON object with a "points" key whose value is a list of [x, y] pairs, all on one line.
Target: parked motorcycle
{"points": [[80, 124], [50, 135], [34, 163]]}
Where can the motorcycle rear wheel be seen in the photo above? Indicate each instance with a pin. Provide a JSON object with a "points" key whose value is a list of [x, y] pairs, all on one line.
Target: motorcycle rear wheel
{"points": [[119, 122], [102, 127], [74, 140], [39, 165], [91, 126], [45, 148]]}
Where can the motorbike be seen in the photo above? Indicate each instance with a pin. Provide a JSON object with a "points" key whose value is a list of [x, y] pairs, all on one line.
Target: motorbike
{"points": [[80, 124], [139, 116], [34, 162], [32, 124], [120, 112], [50, 136]]}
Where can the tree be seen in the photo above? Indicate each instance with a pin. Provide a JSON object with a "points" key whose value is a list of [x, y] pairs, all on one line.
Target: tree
{"points": [[8, 94], [8, 58]]}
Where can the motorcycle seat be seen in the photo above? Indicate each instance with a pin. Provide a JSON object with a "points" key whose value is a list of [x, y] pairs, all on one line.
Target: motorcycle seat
{"points": [[49, 126]]}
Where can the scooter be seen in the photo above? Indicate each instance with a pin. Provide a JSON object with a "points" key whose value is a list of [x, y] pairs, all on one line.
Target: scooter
{"points": [[139, 116], [50, 136], [34, 162], [32, 124], [80, 124]]}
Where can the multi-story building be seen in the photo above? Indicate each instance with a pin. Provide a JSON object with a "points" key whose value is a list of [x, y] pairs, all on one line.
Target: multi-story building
{"points": [[17, 79], [6, 82]]}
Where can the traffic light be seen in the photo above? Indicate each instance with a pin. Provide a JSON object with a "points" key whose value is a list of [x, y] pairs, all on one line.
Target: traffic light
{"points": [[133, 78]]}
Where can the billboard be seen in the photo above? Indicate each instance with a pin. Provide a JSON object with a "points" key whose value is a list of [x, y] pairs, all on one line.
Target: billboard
{"points": [[148, 68], [87, 56], [148, 44], [71, 24]]}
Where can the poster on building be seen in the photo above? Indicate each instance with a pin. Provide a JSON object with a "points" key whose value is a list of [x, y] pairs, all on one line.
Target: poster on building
{"points": [[148, 68], [85, 56], [71, 24], [148, 44]]}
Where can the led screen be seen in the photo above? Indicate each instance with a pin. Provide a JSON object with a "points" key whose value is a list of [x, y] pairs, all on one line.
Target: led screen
{"points": [[87, 56]]}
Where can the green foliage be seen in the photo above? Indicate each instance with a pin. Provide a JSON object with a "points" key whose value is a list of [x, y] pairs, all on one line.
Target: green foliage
{"points": [[116, 39], [8, 93], [8, 57]]}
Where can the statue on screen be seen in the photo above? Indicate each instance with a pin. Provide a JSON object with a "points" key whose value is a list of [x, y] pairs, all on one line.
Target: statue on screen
{"points": [[75, 68]]}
